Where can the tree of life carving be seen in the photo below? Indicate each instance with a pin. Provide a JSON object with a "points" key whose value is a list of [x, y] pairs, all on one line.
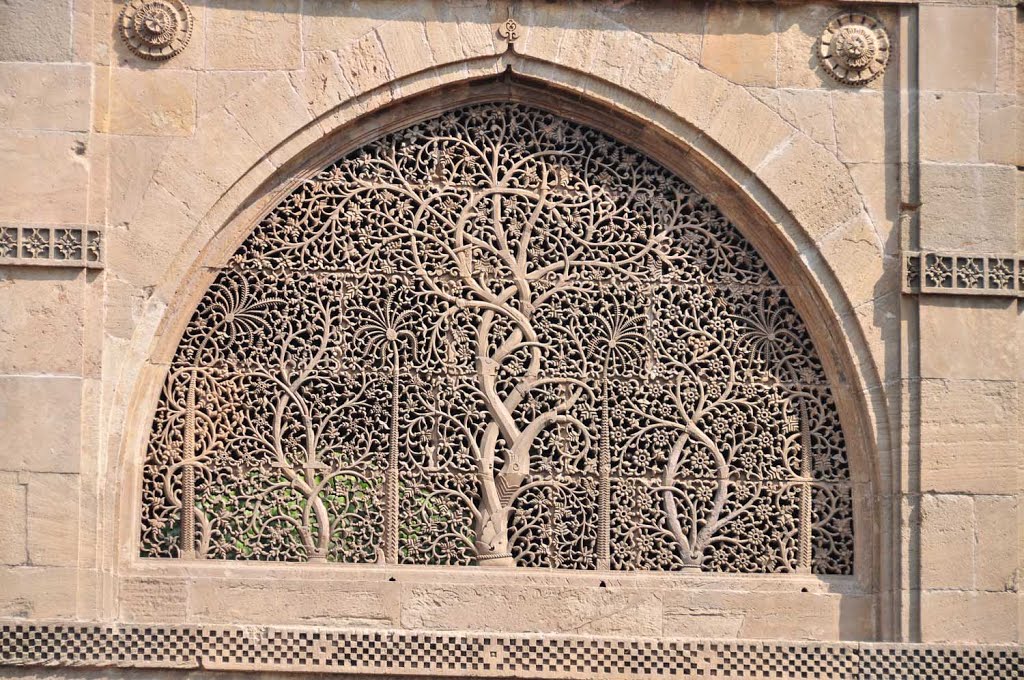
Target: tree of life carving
{"points": [[499, 338]]}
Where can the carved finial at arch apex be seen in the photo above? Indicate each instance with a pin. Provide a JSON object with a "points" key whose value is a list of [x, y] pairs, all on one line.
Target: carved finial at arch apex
{"points": [[155, 29], [510, 29], [854, 48]]}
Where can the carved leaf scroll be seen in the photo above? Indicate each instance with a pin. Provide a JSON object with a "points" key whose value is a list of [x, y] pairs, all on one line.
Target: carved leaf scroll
{"points": [[499, 337]]}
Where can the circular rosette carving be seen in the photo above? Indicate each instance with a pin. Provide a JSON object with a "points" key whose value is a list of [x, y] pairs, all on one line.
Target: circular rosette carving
{"points": [[156, 29], [854, 48]]}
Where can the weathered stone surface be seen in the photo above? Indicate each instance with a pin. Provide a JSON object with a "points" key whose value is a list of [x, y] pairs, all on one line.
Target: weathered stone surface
{"points": [[83, 18], [406, 47], [310, 602], [468, 27], [259, 35], [244, 96], [689, 616], [364, 64], [45, 96], [969, 436], [958, 48], [597, 611], [858, 260], [46, 176], [793, 616], [958, 616], [193, 175], [968, 208], [790, 174], [949, 123], [153, 102], [96, 204], [997, 543], [879, 320], [1020, 210], [53, 519], [321, 83], [40, 415], [37, 592], [809, 111], [739, 43], [857, 614], [652, 72], [1008, 50], [968, 339], [878, 185], [696, 94], [678, 27], [1001, 129], [158, 600], [866, 128], [327, 26], [580, 48], [542, 41], [35, 31], [947, 542], [141, 249], [41, 303], [13, 520], [731, 124], [133, 160]]}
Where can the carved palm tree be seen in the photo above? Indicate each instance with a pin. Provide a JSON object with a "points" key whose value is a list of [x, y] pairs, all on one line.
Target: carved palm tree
{"points": [[618, 343], [382, 332]]}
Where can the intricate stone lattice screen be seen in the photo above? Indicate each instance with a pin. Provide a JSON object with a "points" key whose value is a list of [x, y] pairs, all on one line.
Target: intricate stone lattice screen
{"points": [[499, 338]]}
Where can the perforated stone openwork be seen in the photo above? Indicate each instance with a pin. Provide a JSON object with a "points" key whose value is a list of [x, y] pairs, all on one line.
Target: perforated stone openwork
{"points": [[156, 29], [498, 337], [854, 48]]}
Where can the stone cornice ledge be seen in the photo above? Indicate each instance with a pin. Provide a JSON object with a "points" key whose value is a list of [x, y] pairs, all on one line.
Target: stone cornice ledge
{"points": [[482, 654], [949, 273]]}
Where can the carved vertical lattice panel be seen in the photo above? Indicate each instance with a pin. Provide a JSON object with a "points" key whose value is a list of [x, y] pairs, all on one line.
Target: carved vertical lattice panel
{"points": [[498, 337]]}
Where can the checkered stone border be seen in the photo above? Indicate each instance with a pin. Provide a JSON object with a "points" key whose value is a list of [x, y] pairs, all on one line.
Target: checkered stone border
{"points": [[483, 655], [879, 662]]}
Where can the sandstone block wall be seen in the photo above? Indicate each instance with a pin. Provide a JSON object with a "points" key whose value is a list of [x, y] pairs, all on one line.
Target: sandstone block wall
{"points": [[169, 161]]}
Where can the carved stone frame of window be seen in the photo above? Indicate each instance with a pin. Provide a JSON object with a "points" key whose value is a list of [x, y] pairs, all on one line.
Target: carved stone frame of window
{"points": [[247, 592]]}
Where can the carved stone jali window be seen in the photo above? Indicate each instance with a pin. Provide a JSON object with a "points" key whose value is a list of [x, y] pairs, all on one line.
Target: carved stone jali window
{"points": [[498, 337]]}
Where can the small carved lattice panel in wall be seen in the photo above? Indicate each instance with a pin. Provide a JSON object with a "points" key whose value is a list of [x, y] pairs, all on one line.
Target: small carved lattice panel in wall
{"points": [[498, 337]]}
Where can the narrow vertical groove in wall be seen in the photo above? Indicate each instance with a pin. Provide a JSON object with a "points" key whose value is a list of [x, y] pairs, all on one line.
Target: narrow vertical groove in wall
{"points": [[905, 625]]}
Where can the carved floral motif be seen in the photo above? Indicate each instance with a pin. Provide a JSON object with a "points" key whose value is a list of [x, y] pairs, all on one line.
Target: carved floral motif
{"points": [[963, 274], [156, 29], [51, 246], [854, 48], [499, 338]]}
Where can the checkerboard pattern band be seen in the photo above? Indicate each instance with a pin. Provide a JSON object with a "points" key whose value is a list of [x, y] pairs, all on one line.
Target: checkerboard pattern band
{"points": [[398, 653]]}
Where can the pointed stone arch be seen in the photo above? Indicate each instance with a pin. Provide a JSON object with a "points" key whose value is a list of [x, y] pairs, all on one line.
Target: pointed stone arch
{"points": [[301, 420], [818, 285]]}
